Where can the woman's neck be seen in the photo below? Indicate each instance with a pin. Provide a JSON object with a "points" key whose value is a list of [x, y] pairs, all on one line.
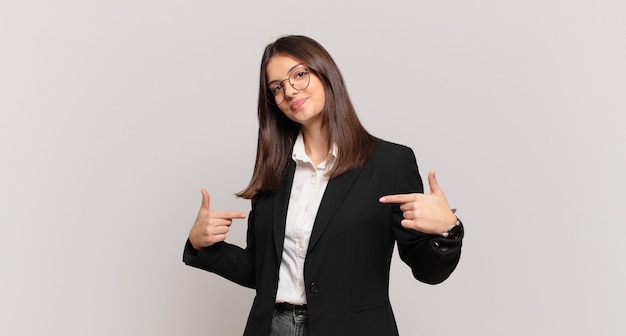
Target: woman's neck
{"points": [[315, 144]]}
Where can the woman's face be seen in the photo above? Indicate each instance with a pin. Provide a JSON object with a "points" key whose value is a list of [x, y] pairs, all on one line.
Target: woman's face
{"points": [[298, 92]]}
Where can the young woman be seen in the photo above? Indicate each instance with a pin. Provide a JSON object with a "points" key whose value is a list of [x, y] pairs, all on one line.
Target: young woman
{"points": [[329, 201]]}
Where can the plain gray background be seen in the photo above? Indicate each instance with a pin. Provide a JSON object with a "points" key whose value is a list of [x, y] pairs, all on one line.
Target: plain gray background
{"points": [[114, 114]]}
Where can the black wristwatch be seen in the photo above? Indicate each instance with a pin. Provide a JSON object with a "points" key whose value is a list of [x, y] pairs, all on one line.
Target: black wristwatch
{"points": [[455, 230]]}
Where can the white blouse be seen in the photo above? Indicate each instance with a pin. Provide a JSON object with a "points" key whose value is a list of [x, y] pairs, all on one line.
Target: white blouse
{"points": [[309, 184]]}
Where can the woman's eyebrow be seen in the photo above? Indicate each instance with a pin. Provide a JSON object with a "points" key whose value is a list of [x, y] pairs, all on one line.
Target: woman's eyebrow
{"points": [[288, 71]]}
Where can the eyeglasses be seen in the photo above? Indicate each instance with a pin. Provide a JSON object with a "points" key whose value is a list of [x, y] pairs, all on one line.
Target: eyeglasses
{"points": [[298, 78]]}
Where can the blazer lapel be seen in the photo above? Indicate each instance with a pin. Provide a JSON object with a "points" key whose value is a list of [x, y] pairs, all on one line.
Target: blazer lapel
{"points": [[281, 202], [336, 191]]}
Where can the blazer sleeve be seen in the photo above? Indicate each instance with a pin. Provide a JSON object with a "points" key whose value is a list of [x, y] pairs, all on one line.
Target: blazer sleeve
{"points": [[432, 258], [227, 260]]}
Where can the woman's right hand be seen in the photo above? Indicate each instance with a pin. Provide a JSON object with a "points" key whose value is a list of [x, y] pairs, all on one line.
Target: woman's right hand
{"points": [[211, 226]]}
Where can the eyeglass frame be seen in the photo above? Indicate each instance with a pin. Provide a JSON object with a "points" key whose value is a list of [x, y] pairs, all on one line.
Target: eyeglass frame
{"points": [[270, 97]]}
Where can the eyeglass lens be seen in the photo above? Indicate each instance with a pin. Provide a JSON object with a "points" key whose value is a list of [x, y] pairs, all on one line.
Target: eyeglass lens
{"points": [[298, 79]]}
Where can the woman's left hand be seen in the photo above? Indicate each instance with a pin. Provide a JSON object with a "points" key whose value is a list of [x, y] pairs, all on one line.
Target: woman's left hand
{"points": [[428, 213]]}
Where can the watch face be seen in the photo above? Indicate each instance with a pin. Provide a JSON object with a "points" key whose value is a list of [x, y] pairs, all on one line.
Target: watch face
{"points": [[456, 230]]}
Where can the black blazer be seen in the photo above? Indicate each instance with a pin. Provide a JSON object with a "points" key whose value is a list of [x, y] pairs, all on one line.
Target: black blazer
{"points": [[348, 259]]}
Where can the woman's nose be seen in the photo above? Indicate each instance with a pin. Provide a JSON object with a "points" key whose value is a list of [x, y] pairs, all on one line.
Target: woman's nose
{"points": [[290, 91]]}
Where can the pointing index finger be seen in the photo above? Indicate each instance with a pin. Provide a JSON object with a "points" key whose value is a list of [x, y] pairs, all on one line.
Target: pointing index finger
{"points": [[228, 214], [398, 198]]}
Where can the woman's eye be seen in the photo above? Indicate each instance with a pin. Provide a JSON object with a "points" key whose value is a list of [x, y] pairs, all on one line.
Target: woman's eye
{"points": [[276, 89], [301, 74]]}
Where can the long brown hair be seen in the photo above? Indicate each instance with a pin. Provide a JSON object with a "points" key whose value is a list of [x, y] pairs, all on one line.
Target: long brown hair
{"points": [[277, 133]]}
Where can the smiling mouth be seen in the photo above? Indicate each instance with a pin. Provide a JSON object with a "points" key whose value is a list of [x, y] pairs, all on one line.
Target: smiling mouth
{"points": [[298, 103]]}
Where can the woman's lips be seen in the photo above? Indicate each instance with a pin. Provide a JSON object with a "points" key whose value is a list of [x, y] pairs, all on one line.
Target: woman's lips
{"points": [[298, 103]]}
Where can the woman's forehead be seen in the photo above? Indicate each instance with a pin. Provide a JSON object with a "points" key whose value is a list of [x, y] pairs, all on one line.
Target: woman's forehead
{"points": [[280, 65]]}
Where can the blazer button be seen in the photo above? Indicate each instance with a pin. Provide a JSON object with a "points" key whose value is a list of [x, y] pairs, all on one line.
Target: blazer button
{"points": [[314, 287]]}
